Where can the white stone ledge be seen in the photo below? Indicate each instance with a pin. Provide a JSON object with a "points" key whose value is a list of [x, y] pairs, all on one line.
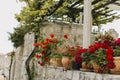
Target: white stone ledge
{"points": [[57, 73]]}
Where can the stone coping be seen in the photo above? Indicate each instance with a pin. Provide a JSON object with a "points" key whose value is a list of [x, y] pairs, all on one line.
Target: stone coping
{"points": [[57, 73]]}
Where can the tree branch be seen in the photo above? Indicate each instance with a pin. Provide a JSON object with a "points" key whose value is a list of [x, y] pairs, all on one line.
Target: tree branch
{"points": [[55, 7], [29, 59]]}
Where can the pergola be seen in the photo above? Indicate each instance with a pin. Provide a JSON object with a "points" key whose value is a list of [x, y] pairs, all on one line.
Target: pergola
{"points": [[112, 4], [115, 6]]}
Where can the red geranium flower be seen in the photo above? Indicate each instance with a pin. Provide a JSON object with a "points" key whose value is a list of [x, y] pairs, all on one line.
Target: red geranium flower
{"points": [[66, 36], [52, 35], [38, 56], [110, 65], [97, 45], [109, 51], [91, 49], [44, 46], [47, 39], [43, 52], [117, 42], [37, 44], [109, 58], [45, 42], [46, 58], [78, 59], [41, 63], [107, 42], [80, 51]]}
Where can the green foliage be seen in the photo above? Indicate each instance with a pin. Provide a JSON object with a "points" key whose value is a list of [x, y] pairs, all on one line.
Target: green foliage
{"points": [[99, 57], [36, 11], [55, 55], [86, 57], [116, 51], [17, 37]]}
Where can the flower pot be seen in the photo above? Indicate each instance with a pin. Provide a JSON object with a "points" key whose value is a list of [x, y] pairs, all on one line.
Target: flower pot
{"points": [[116, 70], [99, 69], [76, 66], [65, 62], [84, 65], [56, 62], [96, 67]]}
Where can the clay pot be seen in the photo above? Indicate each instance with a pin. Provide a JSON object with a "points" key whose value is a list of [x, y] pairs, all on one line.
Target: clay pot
{"points": [[116, 70], [96, 67], [56, 62], [65, 62], [84, 65]]}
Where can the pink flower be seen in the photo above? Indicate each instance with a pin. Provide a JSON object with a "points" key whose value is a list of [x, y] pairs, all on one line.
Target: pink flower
{"points": [[117, 42]]}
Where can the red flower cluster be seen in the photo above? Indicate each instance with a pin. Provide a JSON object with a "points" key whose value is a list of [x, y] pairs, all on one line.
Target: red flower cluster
{"points": [[117, 42], [46, 47], [110, 65], [76, 53], [109, 52], [109, 58], [37, 44], [66, 36]]}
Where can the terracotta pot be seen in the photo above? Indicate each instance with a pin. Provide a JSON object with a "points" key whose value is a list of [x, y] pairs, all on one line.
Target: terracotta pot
{"points": [[96, 67], [84, 65], [65, 61], [116, 70], [56, 62]]}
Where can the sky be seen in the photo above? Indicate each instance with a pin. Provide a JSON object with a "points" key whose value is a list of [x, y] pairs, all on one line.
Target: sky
{"points": [[8, 22]]}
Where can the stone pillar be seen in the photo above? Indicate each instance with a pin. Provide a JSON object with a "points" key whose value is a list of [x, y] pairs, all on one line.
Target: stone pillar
{"points": [[87, 23], [81, 17]]}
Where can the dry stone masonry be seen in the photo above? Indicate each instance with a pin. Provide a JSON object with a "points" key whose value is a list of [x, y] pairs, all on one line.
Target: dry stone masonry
{"points": [[18, 71]]}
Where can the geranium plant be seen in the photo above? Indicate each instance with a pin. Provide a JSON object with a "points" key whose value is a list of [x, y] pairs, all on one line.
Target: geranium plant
{"points": [[116, 48], [106, 38], [47, 47], [101, 52]]}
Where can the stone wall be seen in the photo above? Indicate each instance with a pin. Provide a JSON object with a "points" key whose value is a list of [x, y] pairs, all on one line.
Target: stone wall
{"points": [[18, 71], [57, 73], [4, 65], [74, 31]]}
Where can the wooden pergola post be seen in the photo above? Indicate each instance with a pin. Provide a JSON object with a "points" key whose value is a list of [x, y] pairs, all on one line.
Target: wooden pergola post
{"points": [[87, 24]]}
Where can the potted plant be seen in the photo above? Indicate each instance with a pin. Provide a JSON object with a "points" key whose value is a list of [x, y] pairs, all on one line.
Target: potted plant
{"points": [[100, 53], [66, 58], [116, 48], [47, 47], [55, 59], [71, 57], [77, 57]]}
